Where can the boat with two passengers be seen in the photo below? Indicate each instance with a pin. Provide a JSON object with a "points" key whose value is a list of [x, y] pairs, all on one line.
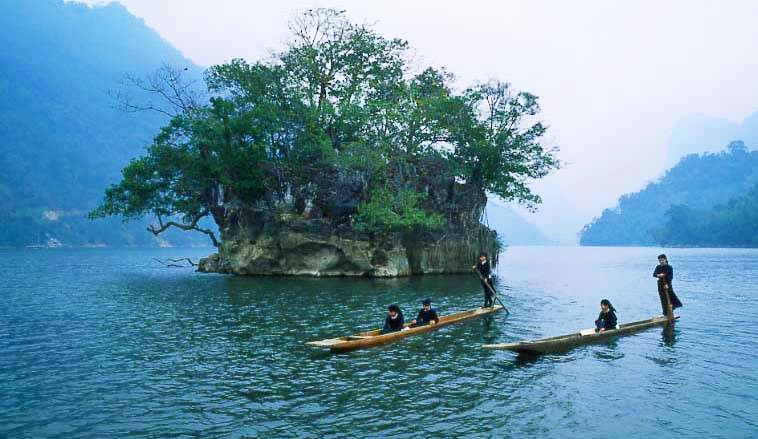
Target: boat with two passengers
{"points": [[374, 338]]}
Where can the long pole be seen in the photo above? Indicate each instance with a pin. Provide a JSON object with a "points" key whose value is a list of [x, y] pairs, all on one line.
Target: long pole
{"points": [[494, 293], [669, 308], [663, 285]]}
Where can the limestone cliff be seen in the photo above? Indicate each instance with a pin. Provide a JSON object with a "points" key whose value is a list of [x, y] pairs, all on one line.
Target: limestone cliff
{"points": [[320, 239], [309, 248]]}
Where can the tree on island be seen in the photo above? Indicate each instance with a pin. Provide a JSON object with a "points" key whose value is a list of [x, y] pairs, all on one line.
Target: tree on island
{"points": [[341, 103]]}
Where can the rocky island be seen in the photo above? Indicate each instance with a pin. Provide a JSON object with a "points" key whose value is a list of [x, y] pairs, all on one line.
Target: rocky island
{"points": [[324, 241], [334, 158]]}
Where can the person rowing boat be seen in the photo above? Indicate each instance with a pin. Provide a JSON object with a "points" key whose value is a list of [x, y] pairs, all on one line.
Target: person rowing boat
{"points": [[485, 272], [665, 275], [394, 321], [426, 315]]}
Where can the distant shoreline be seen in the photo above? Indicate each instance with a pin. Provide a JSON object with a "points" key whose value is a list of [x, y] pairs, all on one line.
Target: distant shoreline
{"points": [[668, 246]]}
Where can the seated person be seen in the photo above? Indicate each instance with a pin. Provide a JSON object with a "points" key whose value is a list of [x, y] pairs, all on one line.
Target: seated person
{"points": [[607, 318], [426, 315], [394, 321]]}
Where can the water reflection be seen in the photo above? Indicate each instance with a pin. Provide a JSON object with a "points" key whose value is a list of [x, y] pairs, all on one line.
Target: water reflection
{"points": [[527, 358], [608, 350], [491, 328], [227, 356], [668, 335], [321, 354]]}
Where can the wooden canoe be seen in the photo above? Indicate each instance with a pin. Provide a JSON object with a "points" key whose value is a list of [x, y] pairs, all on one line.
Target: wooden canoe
{"points": [[373, 338], [565, 342]]}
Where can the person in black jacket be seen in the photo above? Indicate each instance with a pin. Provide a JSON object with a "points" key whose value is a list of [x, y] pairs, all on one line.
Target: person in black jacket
{"points": [[665, 275], [607, 318], [427, 314], [394, 321], [483, 267]]}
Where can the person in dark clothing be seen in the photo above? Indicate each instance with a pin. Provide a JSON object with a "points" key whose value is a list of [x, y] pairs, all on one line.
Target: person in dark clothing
{"points": [[665, 275], [394, 321], [607, 318], [426, 315], [483, 267]]}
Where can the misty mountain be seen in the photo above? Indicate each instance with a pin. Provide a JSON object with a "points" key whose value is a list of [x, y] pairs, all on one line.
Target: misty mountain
{"points": [[62, 141], [512, 228], [698, 133], [732, 224], [698, 182]]}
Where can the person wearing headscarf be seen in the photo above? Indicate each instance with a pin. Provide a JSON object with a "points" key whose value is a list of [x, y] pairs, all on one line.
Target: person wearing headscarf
{"points": [[665, 275], [607, 319], [394, 321], [485, 272]]}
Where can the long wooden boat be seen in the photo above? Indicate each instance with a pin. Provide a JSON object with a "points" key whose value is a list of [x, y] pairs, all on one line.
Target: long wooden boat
{"points": [[373, 338], [565, 342]]}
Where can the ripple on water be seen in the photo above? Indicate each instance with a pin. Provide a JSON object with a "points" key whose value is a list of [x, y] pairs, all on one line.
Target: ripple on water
{"points": [[102, 343]]}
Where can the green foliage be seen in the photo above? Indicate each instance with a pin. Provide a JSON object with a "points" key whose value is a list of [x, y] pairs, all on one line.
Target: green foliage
{"points": [[698, 182], [500, 244], [200, 161], [340, 100], [502, 151], [63, 140], [389, 211], [733, 224], [362, 158]]}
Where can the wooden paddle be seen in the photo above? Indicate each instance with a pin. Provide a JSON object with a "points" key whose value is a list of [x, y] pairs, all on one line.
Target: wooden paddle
{"points": [[494, 293]]}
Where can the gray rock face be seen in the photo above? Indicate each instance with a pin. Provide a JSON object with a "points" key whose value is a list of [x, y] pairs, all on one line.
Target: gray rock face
{"points": [[317, 254], [316, 237]]}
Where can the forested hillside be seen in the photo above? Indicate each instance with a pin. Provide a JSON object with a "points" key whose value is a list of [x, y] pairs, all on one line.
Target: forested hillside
{"points": [[732, 224], [696, 184], [62, 139]]}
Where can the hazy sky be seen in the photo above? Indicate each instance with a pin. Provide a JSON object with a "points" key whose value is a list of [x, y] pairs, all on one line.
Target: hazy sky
{"points": [[612, 76]]}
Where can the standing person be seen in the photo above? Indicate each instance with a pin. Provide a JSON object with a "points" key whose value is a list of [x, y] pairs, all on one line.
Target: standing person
{"points": [[427, 315], [607, 319], [483, 267], [665, 275], [394, 321]]}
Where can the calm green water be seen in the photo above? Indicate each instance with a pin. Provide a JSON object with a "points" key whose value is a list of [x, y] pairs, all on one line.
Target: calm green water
{"points": [[106, 343]]}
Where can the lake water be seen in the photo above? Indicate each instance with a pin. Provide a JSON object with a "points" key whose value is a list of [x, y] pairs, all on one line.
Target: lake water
{"points": [[108, 343]]}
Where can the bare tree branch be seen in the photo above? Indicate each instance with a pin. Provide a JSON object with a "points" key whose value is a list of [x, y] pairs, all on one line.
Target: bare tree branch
{"points": [[125, 102], [175, 95], [173, 262], [163, 226]]}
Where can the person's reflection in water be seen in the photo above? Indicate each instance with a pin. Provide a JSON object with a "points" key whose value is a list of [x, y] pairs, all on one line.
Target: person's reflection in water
{"points": [[609, 350], [487, 322], [522, 359], [525, 358], [669, 335], [490, 331]]}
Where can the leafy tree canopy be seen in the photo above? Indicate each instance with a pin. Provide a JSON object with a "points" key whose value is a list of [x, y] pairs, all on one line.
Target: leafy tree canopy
{"points": [[340, 100]]}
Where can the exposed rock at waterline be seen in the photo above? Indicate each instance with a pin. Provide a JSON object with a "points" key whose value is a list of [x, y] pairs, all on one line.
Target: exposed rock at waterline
{"points": [[320, 239], [315, 253]]}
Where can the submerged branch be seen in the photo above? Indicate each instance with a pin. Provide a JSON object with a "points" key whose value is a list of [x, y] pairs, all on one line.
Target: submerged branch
{"points": [[172, 263]]}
